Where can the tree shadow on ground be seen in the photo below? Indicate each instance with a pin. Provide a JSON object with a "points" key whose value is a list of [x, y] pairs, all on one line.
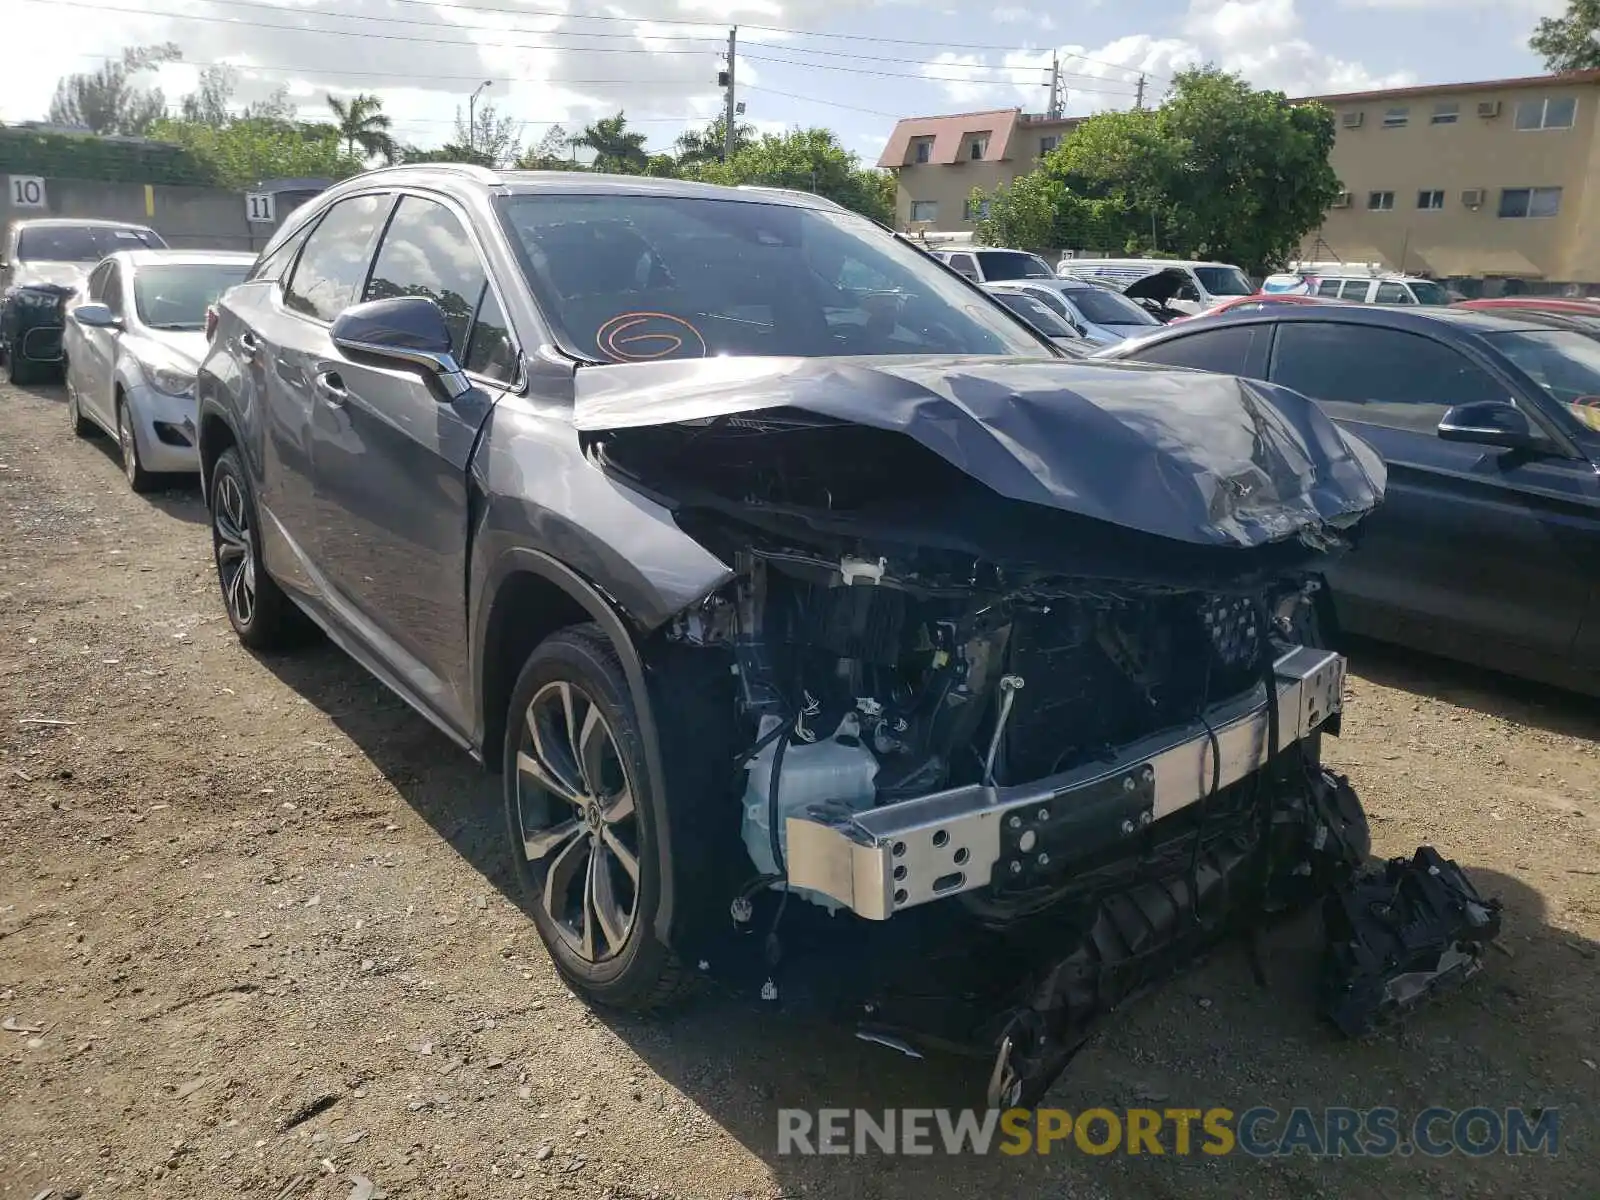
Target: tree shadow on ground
{"points": [[1210, 1037]]}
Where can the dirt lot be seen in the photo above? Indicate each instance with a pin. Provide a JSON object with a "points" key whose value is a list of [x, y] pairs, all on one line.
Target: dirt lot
{"points": [[234, 891]]}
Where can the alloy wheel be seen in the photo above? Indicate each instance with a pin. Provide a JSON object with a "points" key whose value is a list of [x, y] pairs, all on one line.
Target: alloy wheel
{"points": [[236, 560], [130, 448], [579, 826]]}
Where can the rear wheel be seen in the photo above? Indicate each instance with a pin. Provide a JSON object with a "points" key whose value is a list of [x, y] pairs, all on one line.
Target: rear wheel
{"points": [[81, 425], [260, 613], [581, 823], [139, 479]]}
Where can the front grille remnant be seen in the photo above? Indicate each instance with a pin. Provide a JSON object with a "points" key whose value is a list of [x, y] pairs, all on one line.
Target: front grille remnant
{"points": [[1102, 675]]}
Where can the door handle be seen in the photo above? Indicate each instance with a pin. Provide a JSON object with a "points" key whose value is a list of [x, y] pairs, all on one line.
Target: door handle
{"points": [[248, 345], [331, 388]]}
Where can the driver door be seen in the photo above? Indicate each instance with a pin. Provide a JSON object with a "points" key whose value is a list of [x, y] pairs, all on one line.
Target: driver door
{"points": [[98, 348]]}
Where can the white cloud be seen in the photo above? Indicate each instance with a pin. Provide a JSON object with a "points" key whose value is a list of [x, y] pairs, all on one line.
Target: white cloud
{"points": [[1261, 39], [1009, 14]]}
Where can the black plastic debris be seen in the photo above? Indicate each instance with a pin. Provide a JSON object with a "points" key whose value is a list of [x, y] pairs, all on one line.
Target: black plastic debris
{"points": [[1399, 935]]}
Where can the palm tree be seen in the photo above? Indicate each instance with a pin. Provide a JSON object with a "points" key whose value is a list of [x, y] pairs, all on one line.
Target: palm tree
{"points": [[362, 122], [708, 144], [615, 147]]}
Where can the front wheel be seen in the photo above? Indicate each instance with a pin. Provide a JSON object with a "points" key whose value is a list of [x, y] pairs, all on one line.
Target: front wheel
{"points": [[582, 825], [263, 617], [81, 425], [139, 479]]}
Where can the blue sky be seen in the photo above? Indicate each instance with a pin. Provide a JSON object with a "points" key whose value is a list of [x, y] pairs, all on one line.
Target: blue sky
{"points": [[657, 59]]}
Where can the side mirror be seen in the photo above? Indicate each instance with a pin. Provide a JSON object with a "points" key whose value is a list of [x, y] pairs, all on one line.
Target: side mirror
{"points": [[96, 316], [403, 329], [1492, 423]]}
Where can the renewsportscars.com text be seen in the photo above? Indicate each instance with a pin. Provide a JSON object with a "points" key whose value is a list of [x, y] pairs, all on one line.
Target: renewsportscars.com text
{"points": [[1259, 1132]]}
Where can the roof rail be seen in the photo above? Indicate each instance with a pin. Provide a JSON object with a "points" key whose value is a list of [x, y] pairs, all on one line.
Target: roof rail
{"points": [[480, 173], [799, 193]]}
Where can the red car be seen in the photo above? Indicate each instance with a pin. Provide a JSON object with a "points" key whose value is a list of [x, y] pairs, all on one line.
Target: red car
{"points": [[1255, 303]]}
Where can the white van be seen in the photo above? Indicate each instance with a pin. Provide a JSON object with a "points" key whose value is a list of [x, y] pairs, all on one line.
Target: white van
{"points": [[1358, 283], [1210, 283]]}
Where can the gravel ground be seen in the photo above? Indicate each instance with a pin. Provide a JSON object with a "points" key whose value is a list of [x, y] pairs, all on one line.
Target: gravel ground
{"points": [[259, 934]]}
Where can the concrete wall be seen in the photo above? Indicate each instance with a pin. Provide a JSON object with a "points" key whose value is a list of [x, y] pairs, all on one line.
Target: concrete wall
{"points": [[187, 217]]}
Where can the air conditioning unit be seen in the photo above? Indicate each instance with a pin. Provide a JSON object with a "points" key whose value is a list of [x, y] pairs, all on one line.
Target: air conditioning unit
{"points": [[1488, 109], [1352, 120], [1472, 198], [1342, 200]]}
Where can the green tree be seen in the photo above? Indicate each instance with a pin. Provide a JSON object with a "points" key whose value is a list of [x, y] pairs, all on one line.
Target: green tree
{"points": [[208, 104], [492, 138], [552, 152], [249, 149], [1021, 215], [806, 160], [363, 124], [107, 100], [1218, 171], [1570, 42], [709, 144], [450, 152], [617, 148]]}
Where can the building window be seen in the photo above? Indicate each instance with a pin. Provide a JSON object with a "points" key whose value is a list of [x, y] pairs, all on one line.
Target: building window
{"points": [[1380, 201], [1446, 112], [924, 210], [1530, 202], [979, 146], [1397, 118], [1553, 112], [1431, 201], [922, 150], [975, 211], [1047, 144]]}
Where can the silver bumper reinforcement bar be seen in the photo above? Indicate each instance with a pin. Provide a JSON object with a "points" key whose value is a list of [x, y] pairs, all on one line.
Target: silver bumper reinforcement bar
{"points": [[886, 859]]}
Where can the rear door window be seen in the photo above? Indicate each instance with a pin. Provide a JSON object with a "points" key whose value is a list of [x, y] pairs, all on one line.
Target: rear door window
{"points": [[1378, 376], [1223, 351], [964, 264], [333, 267], [1354, 289], [1328, 287]]}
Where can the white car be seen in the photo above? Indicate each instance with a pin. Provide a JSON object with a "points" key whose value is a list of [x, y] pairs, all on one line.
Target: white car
{"points": [[1208, 283], [132, 349], [1102, 315]]}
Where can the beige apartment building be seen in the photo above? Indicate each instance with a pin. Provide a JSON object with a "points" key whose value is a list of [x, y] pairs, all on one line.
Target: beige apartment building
{"points": [[1470, 181], [939, 160], [1499, 179]]}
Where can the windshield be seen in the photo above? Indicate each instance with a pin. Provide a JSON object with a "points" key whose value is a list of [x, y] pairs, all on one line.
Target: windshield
{"points": [[1013, 264], [1102, 307], [633, 278], [1428, 292], [1224, 281], [1565, 364], [80, 243], [1036, 314], [175, 295]]}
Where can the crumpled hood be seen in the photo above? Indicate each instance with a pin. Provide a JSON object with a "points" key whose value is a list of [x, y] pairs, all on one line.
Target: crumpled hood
{"points": [[1204, 459], [69, 275]]}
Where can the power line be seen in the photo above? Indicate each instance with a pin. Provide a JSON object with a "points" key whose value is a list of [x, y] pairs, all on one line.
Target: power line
{"points": [[553, 33], [751, 87], [927, 78]]}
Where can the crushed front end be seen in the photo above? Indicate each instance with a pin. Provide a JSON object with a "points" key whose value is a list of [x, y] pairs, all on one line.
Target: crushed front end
{"points": [[1021, 762]]}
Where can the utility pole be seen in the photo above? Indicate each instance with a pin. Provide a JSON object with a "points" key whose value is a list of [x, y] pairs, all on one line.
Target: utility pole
{"points": [[1055, 85], [728, 113], [1138, 101], [472, 117]]}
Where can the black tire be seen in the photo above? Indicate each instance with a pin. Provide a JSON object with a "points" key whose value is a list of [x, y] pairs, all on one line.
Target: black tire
{"points": [[81, 425], [571, 679], [21, 372], [139, 479], [269, 621]]}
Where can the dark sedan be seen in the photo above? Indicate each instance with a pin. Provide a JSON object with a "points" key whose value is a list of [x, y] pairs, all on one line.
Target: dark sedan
{"points": [[1488, 546], [45, 262]]}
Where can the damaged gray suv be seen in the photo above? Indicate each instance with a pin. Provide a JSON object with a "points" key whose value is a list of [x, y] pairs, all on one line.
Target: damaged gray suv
{"points": [[798, 589]]}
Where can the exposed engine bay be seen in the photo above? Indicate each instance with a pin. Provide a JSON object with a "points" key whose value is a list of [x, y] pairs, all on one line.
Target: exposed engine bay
{"points": [[989, 737]]}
